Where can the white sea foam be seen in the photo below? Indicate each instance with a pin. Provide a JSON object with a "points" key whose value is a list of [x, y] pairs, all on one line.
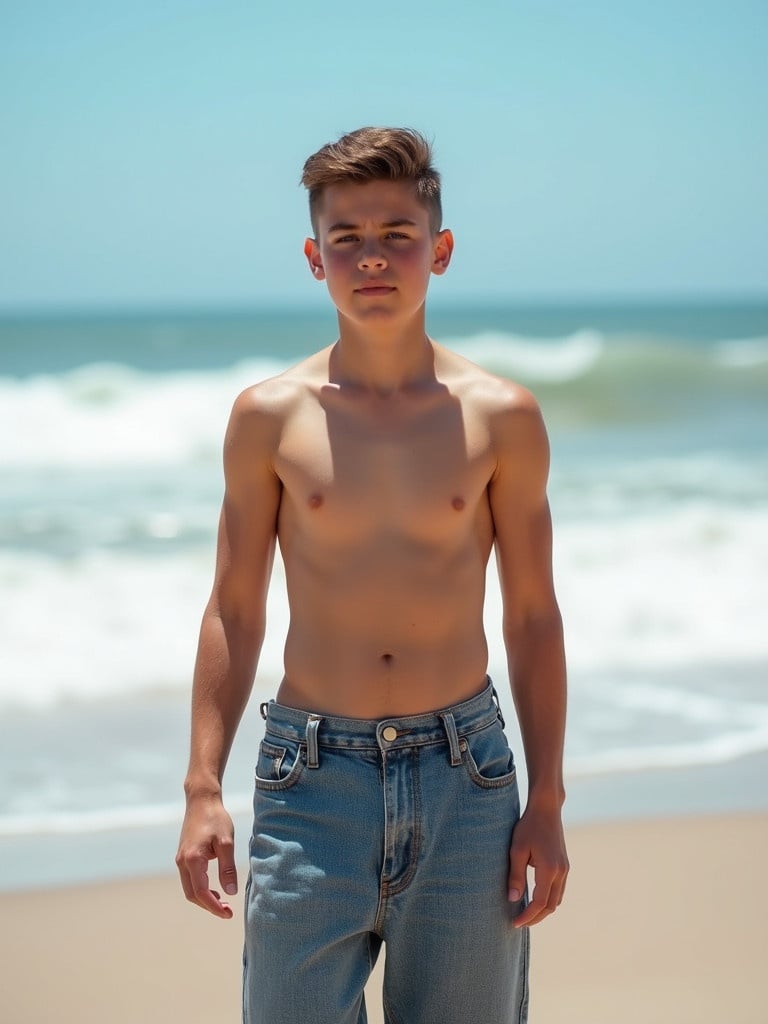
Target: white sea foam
{"points": [[742, 353], [107, 819], [533, 359], [699, 728], [108, 624], [101, 819], [666, 590], [670, 587], [103, 415]]}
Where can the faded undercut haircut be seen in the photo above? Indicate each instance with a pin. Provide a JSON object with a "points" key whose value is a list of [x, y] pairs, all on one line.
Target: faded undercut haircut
{"points": [[375, 154]]}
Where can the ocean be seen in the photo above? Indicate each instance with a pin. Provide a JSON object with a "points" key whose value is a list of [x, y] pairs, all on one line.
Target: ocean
{"points": [[110, 482]]}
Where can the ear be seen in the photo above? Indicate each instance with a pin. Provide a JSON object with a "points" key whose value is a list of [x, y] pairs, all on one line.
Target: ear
{"points": [[443, 250], [312, 252]]}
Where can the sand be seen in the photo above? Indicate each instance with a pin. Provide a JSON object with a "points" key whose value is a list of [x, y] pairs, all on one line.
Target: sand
{"points": [[664, 921]]}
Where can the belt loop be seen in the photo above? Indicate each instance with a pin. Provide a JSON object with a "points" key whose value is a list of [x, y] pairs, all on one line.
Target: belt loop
{"points": [[263, 708], [498, 707], [313, 722], [453, 739]]}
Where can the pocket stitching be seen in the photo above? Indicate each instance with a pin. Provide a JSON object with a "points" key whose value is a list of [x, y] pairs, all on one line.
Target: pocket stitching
{"points": [[290, 779], [499, 782], [276, 753]]}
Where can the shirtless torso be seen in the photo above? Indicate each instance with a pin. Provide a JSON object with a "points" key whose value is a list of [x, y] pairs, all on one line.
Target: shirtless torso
{"points": [[385, 528]]}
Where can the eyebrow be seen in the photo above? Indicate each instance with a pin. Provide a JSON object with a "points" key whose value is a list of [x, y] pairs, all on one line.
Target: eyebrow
{"points": [[401, 222]]}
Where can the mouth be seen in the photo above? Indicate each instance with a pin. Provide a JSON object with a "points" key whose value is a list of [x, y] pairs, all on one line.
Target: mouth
{"points": [[374, 289]]}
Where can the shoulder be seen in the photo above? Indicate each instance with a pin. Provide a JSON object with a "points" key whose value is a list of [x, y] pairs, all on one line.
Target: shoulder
{"points": [[261, 412], [510, 414], [507, 406], [268, 404]]}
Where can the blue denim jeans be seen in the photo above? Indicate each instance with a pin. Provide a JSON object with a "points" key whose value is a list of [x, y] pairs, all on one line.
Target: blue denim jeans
{"points": [[392, 831]]}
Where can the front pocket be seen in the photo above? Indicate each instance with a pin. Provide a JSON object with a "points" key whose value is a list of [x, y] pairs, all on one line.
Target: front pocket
{"points": [[279, 767], [487, 758]]}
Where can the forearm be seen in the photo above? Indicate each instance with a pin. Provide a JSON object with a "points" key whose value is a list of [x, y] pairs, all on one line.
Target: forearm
{"points": [[224, 670], [538, 678]]}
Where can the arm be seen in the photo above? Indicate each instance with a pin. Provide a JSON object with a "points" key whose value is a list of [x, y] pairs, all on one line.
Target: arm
{"points": [[533, 636], [231, 635]]}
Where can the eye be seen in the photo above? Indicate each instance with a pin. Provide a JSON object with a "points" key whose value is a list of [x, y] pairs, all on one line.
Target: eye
{"points": [[344, 238], [397, 235]]}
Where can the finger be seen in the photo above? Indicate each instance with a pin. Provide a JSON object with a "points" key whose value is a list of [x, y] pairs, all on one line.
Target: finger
{"points": [[202, 894], [183, 862], [558, 890], [218, 906], [186, 884], [537, 909], [225, 854], [547, 897], [518, 868]]}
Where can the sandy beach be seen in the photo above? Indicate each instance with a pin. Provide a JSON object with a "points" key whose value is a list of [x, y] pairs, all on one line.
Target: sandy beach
{"points": [[665, 921]]}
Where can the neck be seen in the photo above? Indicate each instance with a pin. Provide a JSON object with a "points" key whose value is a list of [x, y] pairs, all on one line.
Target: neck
{"points": [[382, 358]]}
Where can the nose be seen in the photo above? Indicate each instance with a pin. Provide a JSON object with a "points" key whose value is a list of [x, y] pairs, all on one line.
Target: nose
{"points": [[372, 259]]}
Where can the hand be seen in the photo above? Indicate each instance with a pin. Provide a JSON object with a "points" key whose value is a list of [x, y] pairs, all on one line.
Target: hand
{"points": [[207, 834], [538, 840]]}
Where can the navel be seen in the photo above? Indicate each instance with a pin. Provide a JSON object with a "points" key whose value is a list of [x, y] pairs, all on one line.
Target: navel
{"points": [[388, 659], [458, 503], [315, 500]]}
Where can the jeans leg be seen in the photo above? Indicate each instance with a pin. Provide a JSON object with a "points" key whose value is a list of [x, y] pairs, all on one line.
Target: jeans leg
{"points": [[453, 954], [312, 893]]}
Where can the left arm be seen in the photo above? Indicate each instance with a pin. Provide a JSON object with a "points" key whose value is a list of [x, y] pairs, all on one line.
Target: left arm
{"points": [[533, 637]]}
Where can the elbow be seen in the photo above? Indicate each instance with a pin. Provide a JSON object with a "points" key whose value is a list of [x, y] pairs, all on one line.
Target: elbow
{"points": [[240, 623], [533, 621], [534, 630]]}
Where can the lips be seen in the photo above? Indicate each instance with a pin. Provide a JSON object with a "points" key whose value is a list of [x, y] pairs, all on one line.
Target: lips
{"points": [[374, 289]]}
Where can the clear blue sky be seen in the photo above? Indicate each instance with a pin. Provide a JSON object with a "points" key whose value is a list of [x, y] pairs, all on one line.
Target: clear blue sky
{"points": [[151, 150]]}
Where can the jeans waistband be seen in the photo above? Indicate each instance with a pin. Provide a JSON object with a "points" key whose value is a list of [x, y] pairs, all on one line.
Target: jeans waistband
{"points": [[398, 731]]}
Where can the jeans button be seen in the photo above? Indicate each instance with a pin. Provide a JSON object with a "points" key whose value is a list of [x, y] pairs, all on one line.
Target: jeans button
{"points": [[390, 733]]}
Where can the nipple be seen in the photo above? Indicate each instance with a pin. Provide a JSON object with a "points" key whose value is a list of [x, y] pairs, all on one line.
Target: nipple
{"points": [[315, 500], [458, 503]]}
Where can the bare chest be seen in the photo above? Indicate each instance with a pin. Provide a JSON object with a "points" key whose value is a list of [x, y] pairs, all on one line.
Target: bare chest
{"points": [[414, 471]]}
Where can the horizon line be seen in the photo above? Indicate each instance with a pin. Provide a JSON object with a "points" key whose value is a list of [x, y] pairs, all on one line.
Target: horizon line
{"points": [[289, 306]]}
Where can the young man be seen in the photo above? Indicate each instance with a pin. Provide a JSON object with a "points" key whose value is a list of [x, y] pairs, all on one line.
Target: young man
{"points": [[386, 804]]}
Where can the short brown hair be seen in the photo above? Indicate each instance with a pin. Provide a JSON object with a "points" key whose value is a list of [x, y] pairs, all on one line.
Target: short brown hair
{"points": [[371, 154]]}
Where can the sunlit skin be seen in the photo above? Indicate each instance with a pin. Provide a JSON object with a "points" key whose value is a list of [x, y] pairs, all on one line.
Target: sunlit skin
{"points": [[387, 468]]}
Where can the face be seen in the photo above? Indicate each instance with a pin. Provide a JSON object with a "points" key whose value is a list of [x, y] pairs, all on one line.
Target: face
{"points": [[375, 249]]}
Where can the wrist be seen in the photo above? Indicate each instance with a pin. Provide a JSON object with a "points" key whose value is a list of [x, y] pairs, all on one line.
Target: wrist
{"points": [[546, 798], [202, 787]]}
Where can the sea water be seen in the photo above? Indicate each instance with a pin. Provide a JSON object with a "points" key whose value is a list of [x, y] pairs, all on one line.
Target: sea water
{"points": [[110, 485]]}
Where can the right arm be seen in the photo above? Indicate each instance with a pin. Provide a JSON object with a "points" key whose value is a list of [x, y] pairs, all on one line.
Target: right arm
{"points": [[231, 636]]}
